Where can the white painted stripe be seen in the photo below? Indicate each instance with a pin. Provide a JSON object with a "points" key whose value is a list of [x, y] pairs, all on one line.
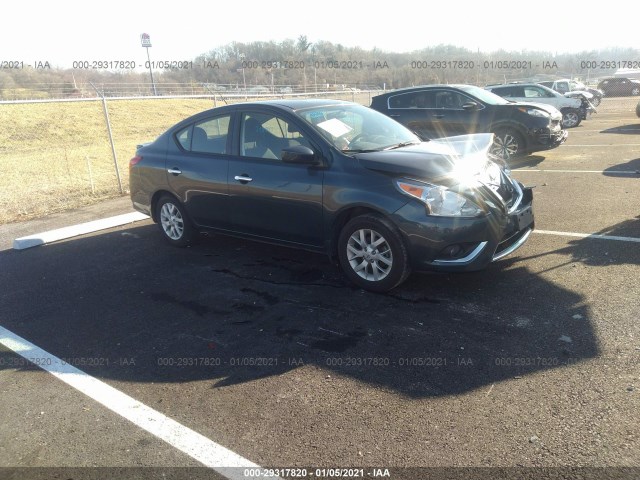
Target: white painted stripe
{"points": [[75, 230], [565, 145], [616, 172], [617, 130], [589, 235], [195, 445]]}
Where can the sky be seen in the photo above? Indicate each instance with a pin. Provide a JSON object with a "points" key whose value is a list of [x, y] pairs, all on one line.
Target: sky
{"points": [[63, 32]]}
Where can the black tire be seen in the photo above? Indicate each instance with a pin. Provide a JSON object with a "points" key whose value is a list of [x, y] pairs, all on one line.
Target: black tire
{"points": [[369, 246], [173, 221], [507, 144], [571, 118], [638, 110]]}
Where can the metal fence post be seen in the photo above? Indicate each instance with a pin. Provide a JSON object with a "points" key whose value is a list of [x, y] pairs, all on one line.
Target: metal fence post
{"points": [[113, 148]]}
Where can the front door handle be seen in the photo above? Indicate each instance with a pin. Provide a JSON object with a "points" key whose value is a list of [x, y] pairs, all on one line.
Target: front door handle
{"points": [[394, 115], [438, 115], [243, 178], [174, 171]]}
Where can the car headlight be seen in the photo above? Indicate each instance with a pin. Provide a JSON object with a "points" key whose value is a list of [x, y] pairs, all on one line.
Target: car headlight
{"points": [[441, 201], [534, 112]]}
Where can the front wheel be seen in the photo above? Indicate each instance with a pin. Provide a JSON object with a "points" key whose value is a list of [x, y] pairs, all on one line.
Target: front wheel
{"points": [[507, 143], [372, 253], [595, 101], [173, 222], [571, 118], [635, 91]]}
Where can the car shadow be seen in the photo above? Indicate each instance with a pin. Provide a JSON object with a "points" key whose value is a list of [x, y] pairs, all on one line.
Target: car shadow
{"points": [[528, 161], [623, 168], [597, 252], [631, 129], [125, 306]]}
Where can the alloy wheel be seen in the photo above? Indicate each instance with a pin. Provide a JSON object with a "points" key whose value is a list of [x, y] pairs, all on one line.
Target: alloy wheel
{"points": [[369, 255], [570, 119], [171, 221], [505, 145]]}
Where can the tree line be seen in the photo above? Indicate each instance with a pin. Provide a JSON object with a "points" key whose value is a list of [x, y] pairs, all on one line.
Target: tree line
{"points": [[301, 64]]}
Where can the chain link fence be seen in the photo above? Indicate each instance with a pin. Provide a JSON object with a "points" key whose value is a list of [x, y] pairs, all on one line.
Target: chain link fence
{"points": [[57, 155]]}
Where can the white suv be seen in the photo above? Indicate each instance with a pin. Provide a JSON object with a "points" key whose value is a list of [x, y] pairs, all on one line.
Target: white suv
{"points": [[573, 109]]}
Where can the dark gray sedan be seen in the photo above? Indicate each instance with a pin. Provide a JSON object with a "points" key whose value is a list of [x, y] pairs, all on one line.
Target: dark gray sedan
{"points": [[333, 177]]}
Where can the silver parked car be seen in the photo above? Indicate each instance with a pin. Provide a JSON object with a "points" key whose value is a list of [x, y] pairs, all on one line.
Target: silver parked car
{"points": [[573, 110]]}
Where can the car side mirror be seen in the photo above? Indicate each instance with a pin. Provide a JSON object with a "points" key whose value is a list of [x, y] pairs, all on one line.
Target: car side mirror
{"points": [[299, 154], [470, 106]]}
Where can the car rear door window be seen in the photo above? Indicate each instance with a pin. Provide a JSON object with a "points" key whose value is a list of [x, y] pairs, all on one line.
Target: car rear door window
{"points": [[207, 136], [536, 92], [424, 99]]}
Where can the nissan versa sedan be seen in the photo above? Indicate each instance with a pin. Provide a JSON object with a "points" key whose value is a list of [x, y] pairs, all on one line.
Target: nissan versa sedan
{"points": [[435, 111], [334, 177]]}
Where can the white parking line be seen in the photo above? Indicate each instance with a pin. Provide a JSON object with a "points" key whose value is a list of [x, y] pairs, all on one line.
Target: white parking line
{"points": [[616, 172], [602, 145], [588, 235], [617, 130], [197, 446], [75, 230]]}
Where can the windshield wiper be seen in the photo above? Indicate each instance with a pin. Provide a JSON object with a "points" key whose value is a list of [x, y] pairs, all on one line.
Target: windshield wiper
{"points": [[363, 150], [401, 144]]}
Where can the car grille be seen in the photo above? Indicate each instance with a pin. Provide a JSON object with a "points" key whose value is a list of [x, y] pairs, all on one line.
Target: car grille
{"points": [[502, 187]]}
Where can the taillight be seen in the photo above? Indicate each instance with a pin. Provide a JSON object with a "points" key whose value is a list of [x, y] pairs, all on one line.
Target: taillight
{"points": [[134, 160]]}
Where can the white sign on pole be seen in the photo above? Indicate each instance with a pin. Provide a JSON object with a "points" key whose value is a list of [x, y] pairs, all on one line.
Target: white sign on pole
{"points": [[145, 39]]}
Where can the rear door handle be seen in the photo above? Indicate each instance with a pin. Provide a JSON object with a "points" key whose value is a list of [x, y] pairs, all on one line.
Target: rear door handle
{"points": [[243, 178], [394, 115], [438, 115], [174, 171]]}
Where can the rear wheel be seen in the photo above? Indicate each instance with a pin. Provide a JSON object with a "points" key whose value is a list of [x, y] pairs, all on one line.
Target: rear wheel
{"points": [[372, 253], [635, 91], [571, 118], [507, 143], [595, 101], [173, 222]]}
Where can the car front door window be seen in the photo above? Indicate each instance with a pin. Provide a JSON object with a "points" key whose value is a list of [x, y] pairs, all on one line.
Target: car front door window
{"points": [[264, 136]]}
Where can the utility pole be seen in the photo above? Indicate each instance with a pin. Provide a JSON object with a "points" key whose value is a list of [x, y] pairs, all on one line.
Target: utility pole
{"points": [[145, 39]]}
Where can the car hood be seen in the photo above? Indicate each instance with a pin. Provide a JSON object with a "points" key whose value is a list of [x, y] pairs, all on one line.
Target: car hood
{"points": [[435, 159], [550, 109], [579, 93]]}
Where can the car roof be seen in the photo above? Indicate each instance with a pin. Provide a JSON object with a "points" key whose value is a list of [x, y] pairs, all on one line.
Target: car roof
{"points": [[422, 87], [291, 105], [295, 104], [528, 84]]}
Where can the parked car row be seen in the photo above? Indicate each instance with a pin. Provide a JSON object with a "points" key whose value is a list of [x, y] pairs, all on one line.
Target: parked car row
{"points": [[418, 181], [436, 111]]}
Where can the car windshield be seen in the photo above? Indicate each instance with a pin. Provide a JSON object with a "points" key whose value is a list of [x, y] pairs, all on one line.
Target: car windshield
{"points": [[354, 128], [484, 95]]}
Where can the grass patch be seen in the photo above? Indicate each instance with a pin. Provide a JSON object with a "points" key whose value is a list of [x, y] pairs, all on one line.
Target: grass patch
{"points": [[52, 153]]}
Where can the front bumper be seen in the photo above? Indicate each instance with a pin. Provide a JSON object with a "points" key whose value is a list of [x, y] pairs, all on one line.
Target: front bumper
{"points": [[547, 138], [481, 241]]}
